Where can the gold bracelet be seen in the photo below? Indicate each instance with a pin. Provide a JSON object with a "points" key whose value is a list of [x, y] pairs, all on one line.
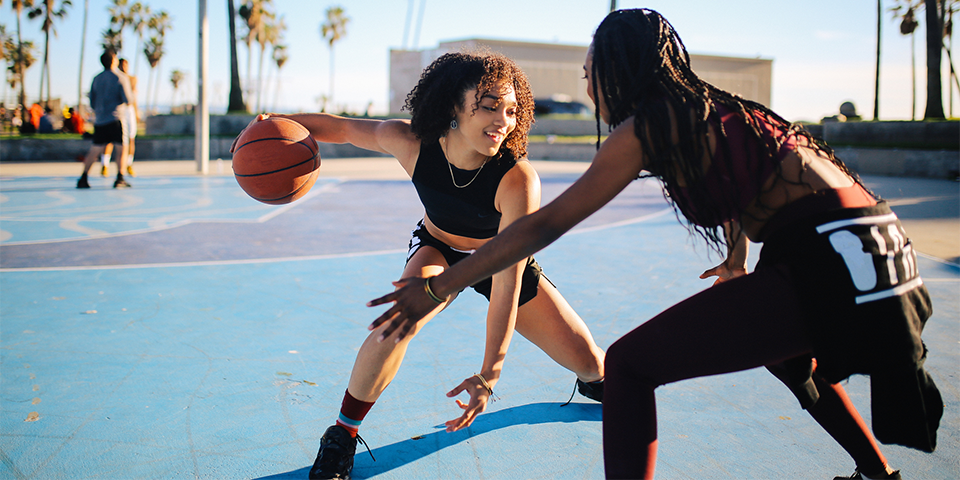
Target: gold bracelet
{"points": [[433, 296], [485, 384]]}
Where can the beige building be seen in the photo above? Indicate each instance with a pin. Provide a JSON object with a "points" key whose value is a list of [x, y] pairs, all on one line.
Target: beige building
{"points": [[556, 70]]}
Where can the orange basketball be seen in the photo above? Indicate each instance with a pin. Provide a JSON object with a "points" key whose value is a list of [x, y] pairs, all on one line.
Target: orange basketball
{"points": [[276, 161]]}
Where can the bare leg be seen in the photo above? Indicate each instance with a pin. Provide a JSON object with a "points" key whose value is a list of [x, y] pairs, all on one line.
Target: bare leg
{"points": [[550, 323], [92, 156], [105, 159], [122, 161], [378, 362]]}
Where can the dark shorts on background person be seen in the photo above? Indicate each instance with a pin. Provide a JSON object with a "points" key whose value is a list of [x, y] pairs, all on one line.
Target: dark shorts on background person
{"points": [[530, 279], [108, 133]]}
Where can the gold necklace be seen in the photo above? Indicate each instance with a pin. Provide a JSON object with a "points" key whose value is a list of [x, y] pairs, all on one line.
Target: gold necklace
{"points": [[450, 167]]}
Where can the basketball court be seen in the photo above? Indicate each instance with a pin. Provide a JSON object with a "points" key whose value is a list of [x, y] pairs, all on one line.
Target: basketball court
{"points": [[180, 329]]}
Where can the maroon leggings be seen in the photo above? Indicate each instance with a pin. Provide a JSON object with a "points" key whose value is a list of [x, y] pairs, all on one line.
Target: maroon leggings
{"points": [[745, 323]]}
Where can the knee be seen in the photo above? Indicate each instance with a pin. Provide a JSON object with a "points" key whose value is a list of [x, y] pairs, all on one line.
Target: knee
{"points": [[626, 361]]}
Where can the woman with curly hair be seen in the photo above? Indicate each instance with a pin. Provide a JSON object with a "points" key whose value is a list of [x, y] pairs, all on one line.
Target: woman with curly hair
{"points": [[465, 150], [837, 291]]}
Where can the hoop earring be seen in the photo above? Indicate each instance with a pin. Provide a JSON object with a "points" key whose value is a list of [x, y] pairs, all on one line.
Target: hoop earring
{"points": [[454, 124]]}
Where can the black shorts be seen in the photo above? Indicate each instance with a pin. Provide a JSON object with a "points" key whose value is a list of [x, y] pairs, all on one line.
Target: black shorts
{"points": [[108, 133], [529, 282]]}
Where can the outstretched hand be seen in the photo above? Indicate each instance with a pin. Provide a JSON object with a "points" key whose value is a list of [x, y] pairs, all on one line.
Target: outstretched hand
{"points": [[479, 396], [410, 304], [723, 273]]}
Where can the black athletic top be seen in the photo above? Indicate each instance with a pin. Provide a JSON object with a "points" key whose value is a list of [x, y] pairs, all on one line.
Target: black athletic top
{"points": [[469, 211]]}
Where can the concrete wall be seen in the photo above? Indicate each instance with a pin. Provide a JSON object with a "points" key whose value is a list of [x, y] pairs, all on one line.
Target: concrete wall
{"points": [[924, 135], [227, 125], [860, 145], [36, 150]]}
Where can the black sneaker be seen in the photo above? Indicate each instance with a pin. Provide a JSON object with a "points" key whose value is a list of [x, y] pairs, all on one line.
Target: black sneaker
{"points": [[591, 390], [859, 476], [335, 458], [83, 183], [121, 183]]}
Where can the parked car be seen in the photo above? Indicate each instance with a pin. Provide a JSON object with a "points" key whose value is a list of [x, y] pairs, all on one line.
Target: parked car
{"points": [[547, 106]]}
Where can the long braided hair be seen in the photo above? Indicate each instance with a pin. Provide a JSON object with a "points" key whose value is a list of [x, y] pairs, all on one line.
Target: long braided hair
{"points": [[444, 82], [642, 69]]}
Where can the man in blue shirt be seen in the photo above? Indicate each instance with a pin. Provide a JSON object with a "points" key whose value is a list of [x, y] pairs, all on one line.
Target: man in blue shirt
{"points": [[109, 95]]}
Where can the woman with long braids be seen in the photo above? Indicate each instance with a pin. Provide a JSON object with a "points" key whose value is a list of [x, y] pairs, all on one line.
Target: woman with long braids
{"points": [[465, 150], [836, 291]]}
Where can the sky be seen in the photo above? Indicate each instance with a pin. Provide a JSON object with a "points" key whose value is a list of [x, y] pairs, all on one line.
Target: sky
{"points": [[823, 51]]}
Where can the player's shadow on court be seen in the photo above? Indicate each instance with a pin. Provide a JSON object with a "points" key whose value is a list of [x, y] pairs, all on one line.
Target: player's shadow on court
{"points": [[399, 454]]}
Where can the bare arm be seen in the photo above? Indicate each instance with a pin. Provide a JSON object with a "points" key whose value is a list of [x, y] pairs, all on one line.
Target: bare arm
{"points": [[618, 163], [518, 195], [392, 137], [735, 264]]}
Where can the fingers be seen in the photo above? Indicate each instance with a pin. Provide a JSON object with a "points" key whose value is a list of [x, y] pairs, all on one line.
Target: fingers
{"points": [[385, 316], [390, 297], [456, 391], [258, 118], [464, 421], [710, 273]]}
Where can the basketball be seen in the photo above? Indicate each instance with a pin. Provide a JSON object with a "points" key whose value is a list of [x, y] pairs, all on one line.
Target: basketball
{"points": [[276, 161]]}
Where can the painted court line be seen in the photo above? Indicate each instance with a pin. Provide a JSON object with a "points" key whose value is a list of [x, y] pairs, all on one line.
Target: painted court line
{"points": [[72, 223]]}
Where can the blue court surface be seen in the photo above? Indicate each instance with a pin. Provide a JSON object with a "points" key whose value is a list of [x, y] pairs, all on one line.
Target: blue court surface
{"points": [[179, 329]]}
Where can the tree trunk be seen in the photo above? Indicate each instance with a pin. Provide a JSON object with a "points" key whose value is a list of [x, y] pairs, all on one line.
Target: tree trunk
{"points": [[83, 42], [876, 78], [23, 75], [260, 79], [236, 91], [45, 67], [934, 53]]}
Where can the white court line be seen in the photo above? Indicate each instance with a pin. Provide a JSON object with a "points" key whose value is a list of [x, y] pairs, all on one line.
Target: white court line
{"points": [[209, 263], [938, 260], [263, 218], [621, 223]]}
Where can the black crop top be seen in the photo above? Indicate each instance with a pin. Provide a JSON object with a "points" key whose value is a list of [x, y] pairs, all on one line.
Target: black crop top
{"points": [[469, 211]]}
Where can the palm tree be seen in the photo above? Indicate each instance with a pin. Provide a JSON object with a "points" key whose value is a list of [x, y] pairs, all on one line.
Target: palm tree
{"points": [[153, 49], [272, 34], [954, 7], [83, 44], [119, 19], [236, 90], [18, 6], [934, 108], [48, 11], [254, 12], [908, 26], [6, 45], [280, 57], [19, 59], [176, 77], [876, 78], [139, 15], [332, 31], [112, 40]]}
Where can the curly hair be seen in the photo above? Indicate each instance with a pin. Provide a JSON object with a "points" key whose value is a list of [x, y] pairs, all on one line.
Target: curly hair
{"points": [[440, 91], [642, 69]]}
